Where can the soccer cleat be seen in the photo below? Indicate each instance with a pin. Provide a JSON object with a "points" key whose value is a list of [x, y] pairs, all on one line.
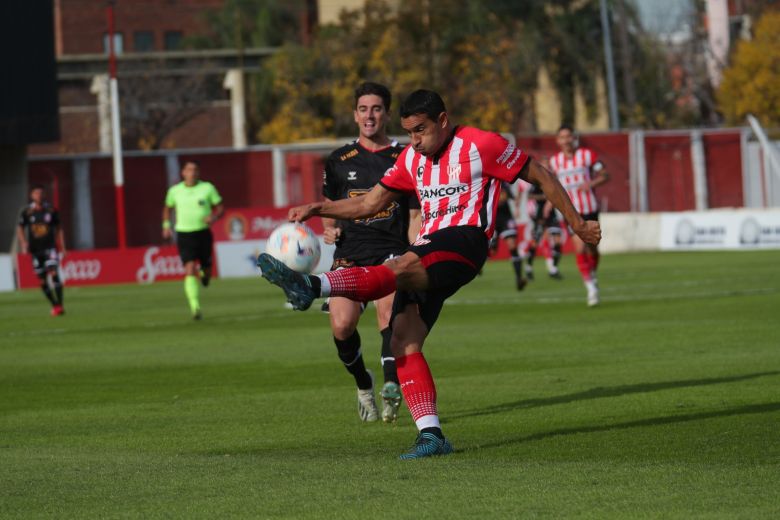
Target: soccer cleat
{"points": [[205, 278], [197, 316], [529, 272], [556, 275], [296, 286], [57, 310], [367, 409], [521, 283], [391, 401], [593, 296], [428, 445]]}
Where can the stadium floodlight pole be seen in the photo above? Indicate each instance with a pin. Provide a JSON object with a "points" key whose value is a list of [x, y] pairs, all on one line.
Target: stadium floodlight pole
{"points": [[614, 118], [116, 137]]}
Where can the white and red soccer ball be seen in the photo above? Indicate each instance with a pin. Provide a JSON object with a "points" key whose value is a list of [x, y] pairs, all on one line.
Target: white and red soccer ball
{"points": [[296, 245]]}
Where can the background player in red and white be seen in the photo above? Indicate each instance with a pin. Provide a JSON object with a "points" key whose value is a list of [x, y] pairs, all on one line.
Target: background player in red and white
{"points": [[580, 171], [39, 232], [352, 171], [456, 172]]}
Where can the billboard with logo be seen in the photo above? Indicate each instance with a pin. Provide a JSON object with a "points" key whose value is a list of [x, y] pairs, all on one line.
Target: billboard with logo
{"points": [[727, 229], [107, 266]]}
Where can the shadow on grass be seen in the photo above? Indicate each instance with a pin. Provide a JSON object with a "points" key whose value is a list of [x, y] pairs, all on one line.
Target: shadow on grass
{"points": [[651, 421], [600, 391]]}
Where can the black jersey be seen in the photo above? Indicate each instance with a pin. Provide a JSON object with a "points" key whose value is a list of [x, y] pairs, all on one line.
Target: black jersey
{"points": [[351, 171], [504, 212], [41, 225]]}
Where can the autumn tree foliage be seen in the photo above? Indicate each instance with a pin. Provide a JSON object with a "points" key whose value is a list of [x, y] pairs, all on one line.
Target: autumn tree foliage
{"points": [[751, 84]]}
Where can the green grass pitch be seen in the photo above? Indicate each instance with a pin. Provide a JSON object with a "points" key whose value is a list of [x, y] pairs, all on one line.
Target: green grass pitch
{"points": [[664, 402]]}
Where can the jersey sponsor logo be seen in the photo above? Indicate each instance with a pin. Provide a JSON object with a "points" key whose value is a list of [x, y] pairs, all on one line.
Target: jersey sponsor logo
{"points": [[421, 242], [438, 192], [511, 163], [351, 176], [430, 215], [385, 214], [420, 171], [349, 154], [510, 148], [88, 269], [155, 265], [453, 172]]}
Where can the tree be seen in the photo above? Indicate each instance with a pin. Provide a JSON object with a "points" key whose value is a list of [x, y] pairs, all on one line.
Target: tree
{"points": [[751, 85]]}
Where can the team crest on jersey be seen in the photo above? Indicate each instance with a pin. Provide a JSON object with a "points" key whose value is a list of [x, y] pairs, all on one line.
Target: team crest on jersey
{"points": [[453, 172], [420, 171], [351, 176]]}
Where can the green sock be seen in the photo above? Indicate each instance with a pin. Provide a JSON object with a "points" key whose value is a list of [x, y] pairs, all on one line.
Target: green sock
{"points": [[191, 290]]}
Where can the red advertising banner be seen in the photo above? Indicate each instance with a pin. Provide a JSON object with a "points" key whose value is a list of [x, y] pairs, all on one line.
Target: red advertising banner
{"points": [[254, 223], [108, 266]]}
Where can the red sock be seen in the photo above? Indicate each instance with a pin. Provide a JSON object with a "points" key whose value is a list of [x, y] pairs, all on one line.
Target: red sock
{"points": [[583, 264], [418, 389], [362, 284]]}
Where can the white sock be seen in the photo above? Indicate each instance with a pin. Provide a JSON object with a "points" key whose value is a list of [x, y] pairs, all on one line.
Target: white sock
{"points": [[324, 286], [428, 421]]}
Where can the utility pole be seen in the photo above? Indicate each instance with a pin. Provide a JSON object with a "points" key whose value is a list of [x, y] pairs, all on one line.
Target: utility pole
{"points": [[614, 121], [116, 134]]}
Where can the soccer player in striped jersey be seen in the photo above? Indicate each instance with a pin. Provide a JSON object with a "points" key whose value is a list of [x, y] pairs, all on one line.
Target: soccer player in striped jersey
{"points": [[580, 171], [456, 172]]}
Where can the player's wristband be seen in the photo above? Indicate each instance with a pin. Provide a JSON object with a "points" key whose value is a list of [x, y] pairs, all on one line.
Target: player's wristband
{"points": [[166, 224]]}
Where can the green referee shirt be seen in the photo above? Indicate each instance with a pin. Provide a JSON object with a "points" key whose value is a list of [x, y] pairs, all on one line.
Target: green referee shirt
{"points": [[192, 204]]}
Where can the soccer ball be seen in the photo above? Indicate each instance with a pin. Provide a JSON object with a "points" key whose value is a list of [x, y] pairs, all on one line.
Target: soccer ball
{"points": [[296, 245]]}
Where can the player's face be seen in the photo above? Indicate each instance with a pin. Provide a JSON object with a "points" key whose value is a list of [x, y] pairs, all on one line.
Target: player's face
{"points": [[190, 173], [565, 140], [371, 116], [427, 136], [37, 196]]}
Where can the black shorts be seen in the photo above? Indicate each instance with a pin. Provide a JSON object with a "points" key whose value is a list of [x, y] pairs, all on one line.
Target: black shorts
{"points": [[194, 246], [45, 260], [452, 258], [550, 222], [505, 226], [362, 260]]}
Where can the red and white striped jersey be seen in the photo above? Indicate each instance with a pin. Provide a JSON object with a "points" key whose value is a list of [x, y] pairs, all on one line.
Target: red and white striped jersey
{"points": [[460, 186], [572, 173]]}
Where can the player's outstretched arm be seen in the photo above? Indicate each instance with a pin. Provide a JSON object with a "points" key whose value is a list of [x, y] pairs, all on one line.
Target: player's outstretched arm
{"points": [[589, 231], [21, 239], [348, 209]]}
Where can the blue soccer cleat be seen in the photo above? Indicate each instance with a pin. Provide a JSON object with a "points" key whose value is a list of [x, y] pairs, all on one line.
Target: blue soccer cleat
{"points": [[428, 445], [295, 285]]}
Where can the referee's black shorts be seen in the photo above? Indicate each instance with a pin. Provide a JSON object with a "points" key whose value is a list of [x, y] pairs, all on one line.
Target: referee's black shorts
{"points": [[195, 246], [452, 258]]}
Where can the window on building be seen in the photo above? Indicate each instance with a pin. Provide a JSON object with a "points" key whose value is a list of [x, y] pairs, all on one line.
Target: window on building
{"points": [[118, 43], [172, 40], [143, 41]]}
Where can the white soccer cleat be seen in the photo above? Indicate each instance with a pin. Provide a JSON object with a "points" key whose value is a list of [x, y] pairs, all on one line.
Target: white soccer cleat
{"points": [[593, 294], [367, 409]]}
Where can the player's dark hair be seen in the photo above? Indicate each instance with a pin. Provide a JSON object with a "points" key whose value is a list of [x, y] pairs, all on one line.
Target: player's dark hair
{"points": [[425, 102], [565, 126], [368, 88], [36, 186], [190, 161]]}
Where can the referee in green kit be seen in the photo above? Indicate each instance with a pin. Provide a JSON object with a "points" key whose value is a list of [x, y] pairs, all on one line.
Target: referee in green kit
{"points": [[197, 204]]}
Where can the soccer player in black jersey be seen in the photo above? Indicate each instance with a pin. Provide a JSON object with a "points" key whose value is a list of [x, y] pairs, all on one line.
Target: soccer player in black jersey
{"points": [[39, 233], [352, 171], [545, 223], [506, 230]]}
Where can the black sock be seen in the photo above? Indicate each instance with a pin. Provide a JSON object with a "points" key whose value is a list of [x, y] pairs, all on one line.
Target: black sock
{"points": [[556, 254], [388, 360], [47, 291], [436, 431], [531, 255], [517, 264], [316, 284], [57, 287], [350, 355]]}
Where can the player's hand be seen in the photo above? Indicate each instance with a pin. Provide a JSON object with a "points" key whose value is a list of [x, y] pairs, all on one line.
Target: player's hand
{"points": [[589, 232], [167, 233], [300, 213], [331, 235]]}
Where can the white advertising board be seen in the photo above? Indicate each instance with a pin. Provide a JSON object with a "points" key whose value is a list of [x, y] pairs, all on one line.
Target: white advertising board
{"points": [[7, 282], [720, 229]]}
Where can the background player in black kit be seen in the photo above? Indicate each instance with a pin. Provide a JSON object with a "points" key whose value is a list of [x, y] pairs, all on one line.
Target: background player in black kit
{"points": [[352, 171], [545, 222], [506, 230], [40, 234]]}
